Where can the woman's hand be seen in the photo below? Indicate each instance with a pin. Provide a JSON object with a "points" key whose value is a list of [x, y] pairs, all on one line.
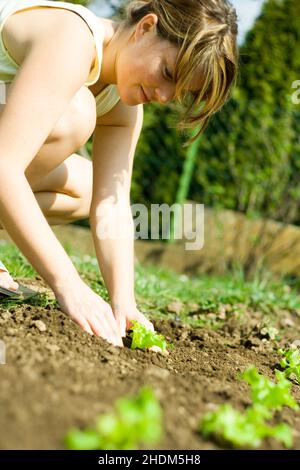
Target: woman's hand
{"points": [[89, 311], [6, 280], [124, 316]]}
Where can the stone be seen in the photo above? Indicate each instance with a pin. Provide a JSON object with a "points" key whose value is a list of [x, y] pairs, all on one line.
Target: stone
{"points": [[40, 325], [175, 307]]}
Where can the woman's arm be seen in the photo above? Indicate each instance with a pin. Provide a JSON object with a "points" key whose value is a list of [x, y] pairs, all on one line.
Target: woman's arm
{"points": [[114, 145], [54, 69], [50, 74]]}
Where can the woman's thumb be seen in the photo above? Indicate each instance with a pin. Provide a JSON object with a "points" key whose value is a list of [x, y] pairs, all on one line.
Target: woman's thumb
{"points": [[122, 326]]}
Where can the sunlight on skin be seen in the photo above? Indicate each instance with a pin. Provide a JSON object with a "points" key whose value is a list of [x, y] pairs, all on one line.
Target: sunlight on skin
{"points": [[137, 59]]}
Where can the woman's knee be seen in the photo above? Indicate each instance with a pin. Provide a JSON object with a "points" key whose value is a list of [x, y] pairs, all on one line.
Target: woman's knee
{"points": [[78, 122], [80, 185]]}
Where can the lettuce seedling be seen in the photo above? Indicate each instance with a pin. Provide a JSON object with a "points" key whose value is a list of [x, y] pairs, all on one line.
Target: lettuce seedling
{"points": [[267, 393], [87, 439], [243, 429], [135, 421], [270, 331], [143, 338], [291, 363], [249, 428]]}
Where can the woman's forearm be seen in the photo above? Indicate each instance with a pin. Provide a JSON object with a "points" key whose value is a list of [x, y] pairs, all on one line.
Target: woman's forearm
{"points": [[25, 223], [114, 244]]}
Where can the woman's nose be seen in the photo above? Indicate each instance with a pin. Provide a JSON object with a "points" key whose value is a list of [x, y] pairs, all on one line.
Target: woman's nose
{"points": [[164, 95]]}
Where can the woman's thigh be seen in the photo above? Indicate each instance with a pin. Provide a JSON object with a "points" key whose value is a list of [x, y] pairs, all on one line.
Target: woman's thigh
{"points": [[72, 131], [74, 176]]}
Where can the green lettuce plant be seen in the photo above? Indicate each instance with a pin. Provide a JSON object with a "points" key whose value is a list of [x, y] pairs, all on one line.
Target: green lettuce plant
{"points": [[142, 338], [251, 427], [268, 393], [243, 429], [291, 363], [135, 421]]}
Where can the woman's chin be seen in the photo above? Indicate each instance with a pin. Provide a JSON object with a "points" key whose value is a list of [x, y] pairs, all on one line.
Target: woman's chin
{"points": [[130, 99], [125, 99]]}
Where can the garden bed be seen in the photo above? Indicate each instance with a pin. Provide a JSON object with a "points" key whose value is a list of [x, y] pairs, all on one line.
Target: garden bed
{"points": [[57, 377]]}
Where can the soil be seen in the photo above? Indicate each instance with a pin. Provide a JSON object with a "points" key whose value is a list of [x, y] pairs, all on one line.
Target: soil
{"points": [[57, 377]]}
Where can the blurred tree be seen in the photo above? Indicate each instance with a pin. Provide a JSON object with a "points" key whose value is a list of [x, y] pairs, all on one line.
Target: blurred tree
{"points": [[250, 152], [248, 157]]}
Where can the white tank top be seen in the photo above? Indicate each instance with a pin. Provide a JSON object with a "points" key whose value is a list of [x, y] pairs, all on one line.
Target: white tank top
{"points": [[109, 96]]}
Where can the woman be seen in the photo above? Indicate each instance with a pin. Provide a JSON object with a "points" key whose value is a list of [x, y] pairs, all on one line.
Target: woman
{"points": [[57, 61]]}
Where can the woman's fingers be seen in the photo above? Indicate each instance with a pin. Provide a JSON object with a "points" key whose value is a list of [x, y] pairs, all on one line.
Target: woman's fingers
{"points": [[121, 322], [114, 328], [82, 322], [90, 311], [122, 327], [102, 328], [139, 317], [104, 324], [7, 281], [94, 326], [147, 323]]}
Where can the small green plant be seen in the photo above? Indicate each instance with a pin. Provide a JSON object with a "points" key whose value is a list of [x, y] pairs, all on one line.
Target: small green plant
{"points": [[291, 363], [271, 332], [249, 428], [143, 338], [135, 421], [243, 429], [267, 393]]}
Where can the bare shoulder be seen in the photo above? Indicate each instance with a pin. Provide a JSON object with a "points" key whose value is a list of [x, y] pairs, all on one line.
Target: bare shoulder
{"points": [[122, 115], [23, 28]]}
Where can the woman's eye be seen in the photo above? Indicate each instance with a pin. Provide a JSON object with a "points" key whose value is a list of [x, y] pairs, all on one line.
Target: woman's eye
{"points": [[168, 75]]}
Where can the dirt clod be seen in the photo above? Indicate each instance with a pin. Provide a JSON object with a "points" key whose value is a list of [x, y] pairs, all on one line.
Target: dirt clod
{"points": [[40, 325]]}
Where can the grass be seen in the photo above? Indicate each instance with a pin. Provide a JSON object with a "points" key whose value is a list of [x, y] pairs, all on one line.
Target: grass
{"points": [[157, 287]]}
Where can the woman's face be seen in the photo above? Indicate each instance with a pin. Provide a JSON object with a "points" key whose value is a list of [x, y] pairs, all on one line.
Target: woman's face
{"points": [[146, 63]]}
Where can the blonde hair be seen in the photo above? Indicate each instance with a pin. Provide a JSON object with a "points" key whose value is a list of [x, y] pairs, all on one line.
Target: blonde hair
{"points": [[205, 32]]}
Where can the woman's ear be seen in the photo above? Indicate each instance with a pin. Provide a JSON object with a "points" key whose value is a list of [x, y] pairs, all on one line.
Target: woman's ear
{"points": [[146, 25]]}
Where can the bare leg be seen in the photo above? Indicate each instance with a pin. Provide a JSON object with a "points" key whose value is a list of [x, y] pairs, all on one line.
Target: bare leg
{"points": [[60, 208], [60, 179], [64, 196]]}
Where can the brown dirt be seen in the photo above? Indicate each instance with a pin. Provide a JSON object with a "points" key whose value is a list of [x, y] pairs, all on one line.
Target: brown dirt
{"points": [[61, 377]]}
